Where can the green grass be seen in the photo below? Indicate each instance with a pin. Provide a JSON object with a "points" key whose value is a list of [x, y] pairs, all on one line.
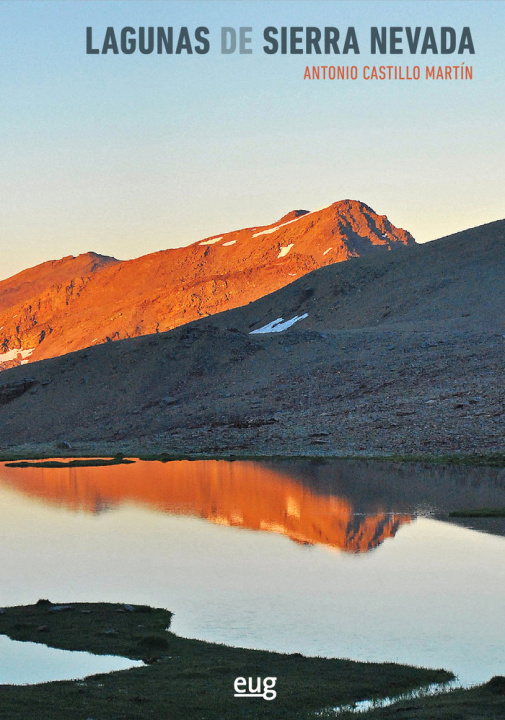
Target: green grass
{"points": [[185, 679], [90, 462], [479, 513], [473, 459], [486, 702]]}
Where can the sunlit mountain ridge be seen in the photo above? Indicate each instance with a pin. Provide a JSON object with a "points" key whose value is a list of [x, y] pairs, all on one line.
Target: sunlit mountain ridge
{"points": [[62, 306]]}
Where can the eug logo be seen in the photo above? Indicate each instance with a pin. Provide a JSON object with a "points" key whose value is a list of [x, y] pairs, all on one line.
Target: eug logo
{"points": [[255, 688]]}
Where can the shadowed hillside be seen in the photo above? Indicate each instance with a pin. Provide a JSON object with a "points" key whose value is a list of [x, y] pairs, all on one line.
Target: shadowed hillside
{"points": [[398, 352]]}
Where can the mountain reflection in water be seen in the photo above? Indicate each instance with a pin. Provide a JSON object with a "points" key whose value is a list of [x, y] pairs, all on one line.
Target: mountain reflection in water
{"points": [[239, 494]]}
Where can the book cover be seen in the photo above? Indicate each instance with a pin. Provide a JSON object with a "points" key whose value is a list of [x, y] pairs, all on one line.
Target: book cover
{"points": [[251, 359]]}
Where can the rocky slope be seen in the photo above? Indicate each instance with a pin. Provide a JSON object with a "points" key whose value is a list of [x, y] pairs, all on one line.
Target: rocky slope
{"points": [[394, 352], [39, 293], [52, 274], [62, 306]]}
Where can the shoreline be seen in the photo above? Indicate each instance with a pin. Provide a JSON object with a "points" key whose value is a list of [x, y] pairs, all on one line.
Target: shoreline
{"points": [[121, 454], [182, 677], [194, 679]]}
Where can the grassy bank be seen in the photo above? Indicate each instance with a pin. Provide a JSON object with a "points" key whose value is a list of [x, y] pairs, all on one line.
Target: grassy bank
{"points": [[473, 459], [479, 513], [90, 462], [184, 679], [116, 454], [486, 702]]}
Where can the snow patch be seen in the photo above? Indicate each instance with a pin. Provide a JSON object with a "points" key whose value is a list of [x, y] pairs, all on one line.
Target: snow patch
{"points": [[212, 241], [326, 251], [284, 251], [325, 207], [231, 242], [13, 354], [271, 230], [278, 325]]}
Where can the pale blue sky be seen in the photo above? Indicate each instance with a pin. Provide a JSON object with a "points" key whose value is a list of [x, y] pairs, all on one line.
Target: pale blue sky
{"points": [[126, 155]]}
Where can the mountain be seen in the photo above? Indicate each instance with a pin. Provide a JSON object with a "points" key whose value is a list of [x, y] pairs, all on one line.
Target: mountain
{"points": [[41, 291], [66, 305], [30, 283], [456, 282], [392, 352]]}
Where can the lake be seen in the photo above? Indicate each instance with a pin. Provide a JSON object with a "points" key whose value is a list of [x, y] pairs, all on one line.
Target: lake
{"points": [[337, 558]]}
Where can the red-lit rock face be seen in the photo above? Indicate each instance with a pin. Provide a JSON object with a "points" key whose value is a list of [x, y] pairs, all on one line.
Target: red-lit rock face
{"points": [[239, 494], [66, 305]]}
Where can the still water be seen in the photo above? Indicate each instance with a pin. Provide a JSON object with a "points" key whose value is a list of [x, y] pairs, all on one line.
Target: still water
{"points": [[341, 559], [23, 663]]}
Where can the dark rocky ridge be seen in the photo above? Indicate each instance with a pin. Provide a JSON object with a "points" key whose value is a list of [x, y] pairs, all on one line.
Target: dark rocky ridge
{"points": [[400, 352]]}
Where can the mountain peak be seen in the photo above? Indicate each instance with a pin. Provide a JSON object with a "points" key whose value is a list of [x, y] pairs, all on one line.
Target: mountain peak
{"points": [[62, 306], [98, 256], [293, 215]]}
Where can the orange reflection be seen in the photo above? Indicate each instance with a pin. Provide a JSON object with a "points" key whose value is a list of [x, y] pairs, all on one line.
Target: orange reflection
{"points": [[239, 494]]}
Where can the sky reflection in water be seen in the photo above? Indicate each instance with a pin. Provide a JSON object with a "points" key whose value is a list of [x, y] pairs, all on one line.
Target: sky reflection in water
{"points": [[23, 663], [377, 585]]}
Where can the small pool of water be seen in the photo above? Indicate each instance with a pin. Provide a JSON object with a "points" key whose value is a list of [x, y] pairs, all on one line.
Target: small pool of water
{"points": [[364, 706], [27, 663]]}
